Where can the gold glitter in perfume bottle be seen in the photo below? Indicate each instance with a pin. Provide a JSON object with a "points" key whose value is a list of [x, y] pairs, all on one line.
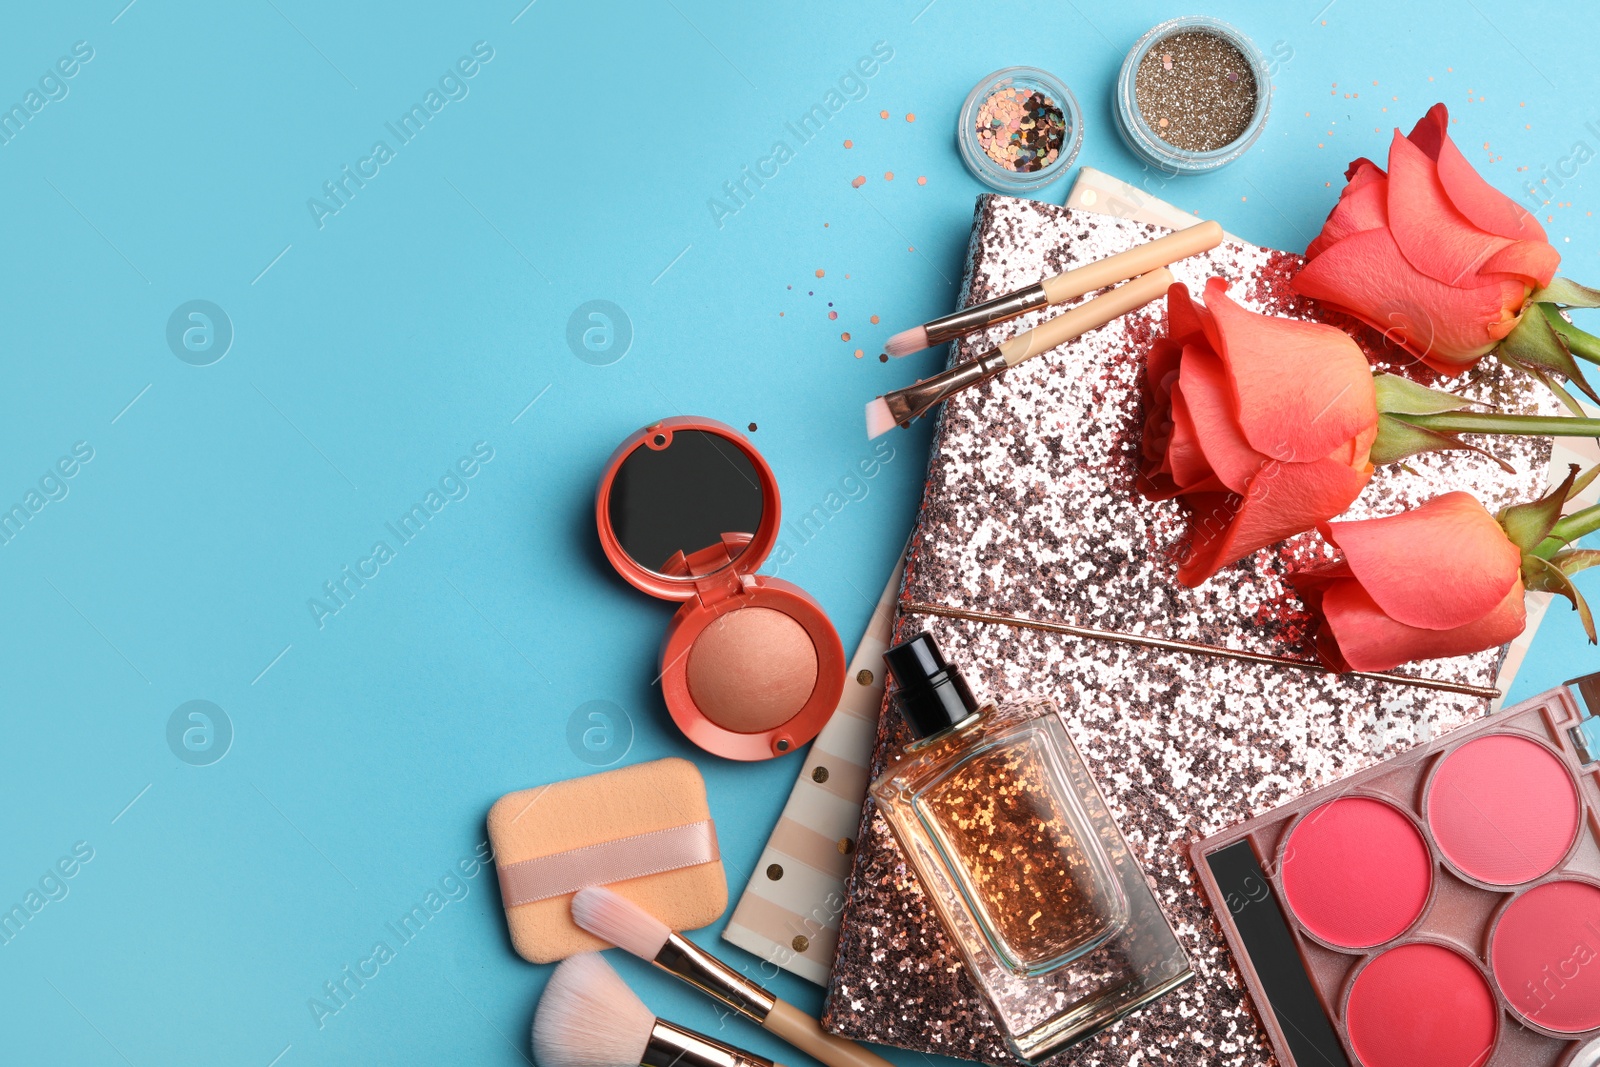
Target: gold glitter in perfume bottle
{"points": [[1041, 890]]}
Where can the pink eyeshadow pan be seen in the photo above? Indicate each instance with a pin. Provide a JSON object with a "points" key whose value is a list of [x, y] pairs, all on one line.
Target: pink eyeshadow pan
{"points": [[1546, 956], [1421, 1005], [1356, 872], [1503, 809]]}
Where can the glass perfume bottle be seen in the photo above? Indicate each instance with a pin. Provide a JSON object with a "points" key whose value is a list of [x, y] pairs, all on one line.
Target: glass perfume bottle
{"points": [[1012, 843]]}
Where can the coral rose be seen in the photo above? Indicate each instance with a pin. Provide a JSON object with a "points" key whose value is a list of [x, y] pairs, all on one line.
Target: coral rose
{"points": [[1262, 425], [1430, 254], [1442, 579]]}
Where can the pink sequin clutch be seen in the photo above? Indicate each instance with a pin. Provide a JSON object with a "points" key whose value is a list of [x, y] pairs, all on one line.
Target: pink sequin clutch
{"points": [[1030, 512]]}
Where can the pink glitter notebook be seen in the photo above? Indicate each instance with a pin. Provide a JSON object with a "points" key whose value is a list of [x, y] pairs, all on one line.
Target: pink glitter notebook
{"points": [[1030, 513]]}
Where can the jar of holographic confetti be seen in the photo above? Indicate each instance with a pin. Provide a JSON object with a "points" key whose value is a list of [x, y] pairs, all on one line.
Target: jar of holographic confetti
{"points": [[1019, 129], [1192, 95]]}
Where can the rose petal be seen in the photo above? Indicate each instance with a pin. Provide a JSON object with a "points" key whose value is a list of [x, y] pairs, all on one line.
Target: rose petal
{"points": [[1283, 500], [1484, 205], [1303, 388], [1431, 131], [1209, 404], [1360, 169], [1183, 315], [1363, 205], [1311, 582], [1161, 363], [1161, 374], [1533, 262], [1447, 328], [1502, 329], [1437, 566], [1185, 460], [1435, 238], [1369, 640]]}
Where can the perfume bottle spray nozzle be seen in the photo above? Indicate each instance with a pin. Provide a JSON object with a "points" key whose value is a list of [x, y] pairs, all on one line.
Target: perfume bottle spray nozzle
{"points": [[931, 694]]}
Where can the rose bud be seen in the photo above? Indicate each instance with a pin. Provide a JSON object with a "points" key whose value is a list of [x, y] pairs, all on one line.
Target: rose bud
{"points": [[1435, 258], [1442, 579], [1262, 425]]}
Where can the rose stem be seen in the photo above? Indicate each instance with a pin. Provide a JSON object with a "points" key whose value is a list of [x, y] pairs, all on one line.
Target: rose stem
{"points": [[1498, 422], [1569, 529]]}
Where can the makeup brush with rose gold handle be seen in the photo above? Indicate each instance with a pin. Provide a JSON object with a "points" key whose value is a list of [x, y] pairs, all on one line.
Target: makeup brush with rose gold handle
{"points": [[1068, 285], [904, 405], [588, 1017], [619, 921]]}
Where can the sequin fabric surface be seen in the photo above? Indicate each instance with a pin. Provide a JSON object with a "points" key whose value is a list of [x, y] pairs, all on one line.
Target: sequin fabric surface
{"points": [[1030, 511]]}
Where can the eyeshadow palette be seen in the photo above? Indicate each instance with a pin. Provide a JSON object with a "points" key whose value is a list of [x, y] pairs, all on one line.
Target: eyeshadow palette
{"points": [[1440, 909]]}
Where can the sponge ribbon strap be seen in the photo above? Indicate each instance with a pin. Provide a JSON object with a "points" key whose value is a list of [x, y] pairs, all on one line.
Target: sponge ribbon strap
{"points": [[644, 854]]}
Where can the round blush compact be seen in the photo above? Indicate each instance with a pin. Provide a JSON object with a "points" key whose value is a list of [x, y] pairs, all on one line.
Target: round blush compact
{"points": [[1503, 809], [1543, 953], [687, 510], [1421, 1005], [1356, 872]]}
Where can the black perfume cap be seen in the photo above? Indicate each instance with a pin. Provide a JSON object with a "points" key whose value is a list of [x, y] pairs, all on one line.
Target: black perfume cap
{"points": [[931, 694]]}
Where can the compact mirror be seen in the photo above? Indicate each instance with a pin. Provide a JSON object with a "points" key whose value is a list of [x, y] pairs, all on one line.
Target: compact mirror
{"points": [[685, 501]]}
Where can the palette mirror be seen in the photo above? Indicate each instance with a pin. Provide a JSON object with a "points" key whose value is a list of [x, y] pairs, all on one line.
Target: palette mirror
{"points": [[685, 502]]}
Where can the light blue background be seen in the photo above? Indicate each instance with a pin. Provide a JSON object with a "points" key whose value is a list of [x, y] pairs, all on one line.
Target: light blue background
{"points": [[371, 353]]}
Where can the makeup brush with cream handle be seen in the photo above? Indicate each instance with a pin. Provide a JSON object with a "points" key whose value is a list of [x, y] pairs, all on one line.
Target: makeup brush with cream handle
{"points": [[588, 1017], [617, 920], [903, 405], [1068, 285]]}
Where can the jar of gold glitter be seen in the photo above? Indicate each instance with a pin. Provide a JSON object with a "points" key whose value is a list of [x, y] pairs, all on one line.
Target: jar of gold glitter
{"points": [[1019, 129], [1192, 95]]}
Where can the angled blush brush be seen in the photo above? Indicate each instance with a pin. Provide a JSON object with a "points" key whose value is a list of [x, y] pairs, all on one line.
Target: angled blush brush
{"points": [[1068, 285], [621, 922], [902, 406]]}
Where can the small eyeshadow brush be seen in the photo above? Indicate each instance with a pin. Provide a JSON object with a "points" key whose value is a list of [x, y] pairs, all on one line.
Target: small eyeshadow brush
{"points": [[902, 406], [1069, 285]]}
